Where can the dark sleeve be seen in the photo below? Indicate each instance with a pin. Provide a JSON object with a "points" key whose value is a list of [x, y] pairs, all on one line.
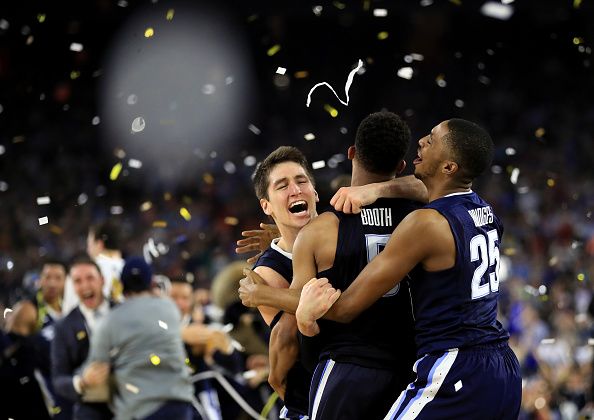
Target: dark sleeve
{"points": [[62, 369]]}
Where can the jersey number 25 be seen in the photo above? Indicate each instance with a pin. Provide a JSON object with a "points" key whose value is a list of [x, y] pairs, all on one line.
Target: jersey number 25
{"points": [[485, 249]]}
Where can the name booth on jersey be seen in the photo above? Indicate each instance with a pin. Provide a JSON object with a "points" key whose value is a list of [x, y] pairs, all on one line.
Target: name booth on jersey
{"points": [[376, 217]]}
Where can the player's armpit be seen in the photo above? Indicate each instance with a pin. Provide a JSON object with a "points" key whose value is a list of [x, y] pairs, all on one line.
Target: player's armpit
{"points": [[410, 244], [283, 352]]}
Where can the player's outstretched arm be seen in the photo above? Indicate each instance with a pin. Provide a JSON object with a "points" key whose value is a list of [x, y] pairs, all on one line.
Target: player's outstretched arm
{"points": [[283, 352], [257, 240], [351, 199]]}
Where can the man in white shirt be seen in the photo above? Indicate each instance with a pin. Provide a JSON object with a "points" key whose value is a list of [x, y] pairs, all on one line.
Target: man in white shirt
{"points": [[70, 346]]}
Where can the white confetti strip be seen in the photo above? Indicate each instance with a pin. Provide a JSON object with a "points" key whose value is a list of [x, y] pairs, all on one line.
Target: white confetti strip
{"points": [[510, 151], [547, 341], [458, 386], [77, 47], [4, 25], [138, 124], [254, 129], [116, 210], [43, 200], [405, 72], [319, 164], [281, 70], [309, 136], [249, 161], [133, 389], [7, 310], [514, 176], [163, 325], [497, 10], [132, 99], [591, 341], [43, 220], [96, 120], [249, 374], [347, 86], [425, 3], [209, 89], [134, 163], [380, 12]]}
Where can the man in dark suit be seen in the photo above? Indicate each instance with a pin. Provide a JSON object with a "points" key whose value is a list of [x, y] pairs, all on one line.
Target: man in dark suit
{"points": [[70, 346]]}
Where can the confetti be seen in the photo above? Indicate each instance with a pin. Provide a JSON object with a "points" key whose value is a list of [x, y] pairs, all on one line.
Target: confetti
{"points": [[209, 89], [591, 341], [82, 199], [170, 14], [302, 74], [208, 178], [550, 182], [459, 103], [185, 214], [9, 265], [4, 25], [24, 380], [273, 50], [338, 5], [309, 136], [456, 2], [540, 132], [382, 35], [317, 10], [76, 47], [249, 374], [581, 277], [96, 120], [405, 73], [228, 80], [149, 32], [425, 3], [114, 352], [458, 386], [515, 173], [577, 4], [249, 161], [163, 325], [7, 310], [122, 3], [331, 110], [74, 74], [281, 70], [160, 224], [343, 130], [440, 80], [547, 341], [132, 99], [134, 163], [81, 335], [43, 220], [346, 87], [138, 125], [254, 129], [319, 164], [497, 10], [380, 12], [510, 151], [133, 389], [229, 167], [231, 221], [43, 200], [155, 360], [115, 210], [115, 171]]}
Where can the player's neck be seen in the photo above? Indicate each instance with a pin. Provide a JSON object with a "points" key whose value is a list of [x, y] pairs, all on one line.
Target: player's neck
{"points": [[437, 190], [288, 236], [362, 177]]}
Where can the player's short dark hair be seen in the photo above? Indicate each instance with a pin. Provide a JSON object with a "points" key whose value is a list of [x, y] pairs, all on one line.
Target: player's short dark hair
{"points": [[108, 233], [381, 142], [51, 260], [84, 259], [471, 145], [280, 155]]}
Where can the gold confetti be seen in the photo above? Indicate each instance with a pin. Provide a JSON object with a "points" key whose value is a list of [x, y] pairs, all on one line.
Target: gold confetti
{"points": [[456, 2], [331, 110], [41, 17], [115, 171], [273, 50], [382, 35], [185, 214], [208, 178], [233, 221], [146, 206], [187, 200], [577, 4], [540, 132], [160, 224], [56, 230], [187, 360], [551, 182], [302, 74], [509, 251], [167, 196], [581, 277], [577, 40], [155, 360], [74, 74], [18, 139], [366, 5], [149, 32], [81, 335], [170, 14], [339, 5], [252, 18]]}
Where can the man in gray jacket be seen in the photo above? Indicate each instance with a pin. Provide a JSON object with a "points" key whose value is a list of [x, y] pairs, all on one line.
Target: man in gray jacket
{"points": [[141, 341]]}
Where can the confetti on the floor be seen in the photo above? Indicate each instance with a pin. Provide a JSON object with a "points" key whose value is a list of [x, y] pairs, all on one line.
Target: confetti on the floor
{"points": [[43, 220], [346, 87]]}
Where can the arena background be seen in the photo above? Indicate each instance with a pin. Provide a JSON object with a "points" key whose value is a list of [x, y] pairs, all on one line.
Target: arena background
{"points": [[154, 113]]}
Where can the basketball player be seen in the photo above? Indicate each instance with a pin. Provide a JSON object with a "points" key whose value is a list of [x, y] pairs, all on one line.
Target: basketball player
{"points": [[466, 369]]}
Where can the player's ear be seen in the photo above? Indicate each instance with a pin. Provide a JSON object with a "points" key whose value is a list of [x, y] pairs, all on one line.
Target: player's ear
{"points": [[317, 197], [400, 167], [450, 167], [266, 207], [351, 152]]}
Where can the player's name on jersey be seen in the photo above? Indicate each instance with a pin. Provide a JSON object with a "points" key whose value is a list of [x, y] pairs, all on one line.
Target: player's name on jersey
{"points": [[376, 217], [481, 216]]}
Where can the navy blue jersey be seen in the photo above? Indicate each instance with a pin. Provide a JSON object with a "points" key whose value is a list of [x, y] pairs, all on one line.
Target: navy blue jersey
{"points": [[298, 378], [382, 336], [457, 307]]}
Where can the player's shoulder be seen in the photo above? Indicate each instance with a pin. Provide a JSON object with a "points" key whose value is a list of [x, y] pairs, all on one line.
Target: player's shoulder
{"points": [[425, 220], [319, 224]]}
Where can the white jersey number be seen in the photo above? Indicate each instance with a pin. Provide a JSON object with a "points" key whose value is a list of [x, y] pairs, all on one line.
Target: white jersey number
{"points": [[486, 250], [375, 245]]}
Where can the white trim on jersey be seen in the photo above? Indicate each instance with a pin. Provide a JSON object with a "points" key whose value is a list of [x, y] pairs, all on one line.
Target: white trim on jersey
{"points": [[327, 370], [437, 375], [458, 193], [274, 245]]}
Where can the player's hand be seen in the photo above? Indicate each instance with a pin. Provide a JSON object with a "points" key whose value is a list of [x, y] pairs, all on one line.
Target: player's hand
{"points": [[248, 288], [351, 199], [317, 297], [96, 373], [257, 240]]}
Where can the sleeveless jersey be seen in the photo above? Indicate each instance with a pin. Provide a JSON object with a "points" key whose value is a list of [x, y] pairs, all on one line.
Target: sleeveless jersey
{"points": [[382, 336], [457, 307]]}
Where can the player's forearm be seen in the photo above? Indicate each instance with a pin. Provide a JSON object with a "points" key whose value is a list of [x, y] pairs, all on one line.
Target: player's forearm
{"points": [[281, 299], [405, 187]]}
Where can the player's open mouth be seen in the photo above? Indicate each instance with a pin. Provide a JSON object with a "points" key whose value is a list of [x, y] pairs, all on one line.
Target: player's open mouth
{"points": [[417, 160], [88, 297], [298, 207]]}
